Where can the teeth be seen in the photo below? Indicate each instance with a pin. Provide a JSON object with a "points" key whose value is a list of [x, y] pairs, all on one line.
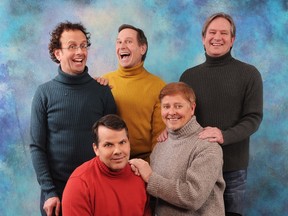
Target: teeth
{"points": [[124, 53], [216, 44]]}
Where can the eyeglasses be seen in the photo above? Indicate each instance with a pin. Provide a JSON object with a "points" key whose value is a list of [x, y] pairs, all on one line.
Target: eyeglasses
{"points": [[74, 48]]}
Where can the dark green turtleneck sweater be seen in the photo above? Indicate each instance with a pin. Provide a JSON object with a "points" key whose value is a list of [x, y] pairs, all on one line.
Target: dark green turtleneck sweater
{"points": [[229, 96], [63, 112]]}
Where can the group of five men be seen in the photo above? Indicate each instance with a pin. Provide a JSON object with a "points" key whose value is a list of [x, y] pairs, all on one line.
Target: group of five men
{"points": [[184, 176]]}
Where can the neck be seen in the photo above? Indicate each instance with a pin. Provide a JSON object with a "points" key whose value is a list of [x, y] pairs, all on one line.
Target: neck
{"points": [[138, 69], [219, 59]]}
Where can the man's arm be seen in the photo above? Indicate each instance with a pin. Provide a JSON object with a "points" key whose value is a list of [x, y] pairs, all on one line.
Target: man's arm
{"points": [[252, 114], [38, 134], [75, 200]]}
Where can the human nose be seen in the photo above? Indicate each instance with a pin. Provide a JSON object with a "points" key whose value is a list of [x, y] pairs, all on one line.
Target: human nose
{"points": [[122, 45], [117, 149], [217, 35], [171, 111]]}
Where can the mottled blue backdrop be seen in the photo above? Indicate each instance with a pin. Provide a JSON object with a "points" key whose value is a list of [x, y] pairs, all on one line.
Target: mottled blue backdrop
{"points": [[173, 29]]}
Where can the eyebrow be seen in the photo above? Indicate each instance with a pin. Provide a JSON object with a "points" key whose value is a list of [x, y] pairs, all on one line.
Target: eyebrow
{"points": [[71, 41], [125, 38]]}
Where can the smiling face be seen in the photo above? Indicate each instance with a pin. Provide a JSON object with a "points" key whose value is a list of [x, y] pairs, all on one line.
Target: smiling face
{"points": [[129, 51], [72, 61], [218, 39], [113, 148], [176, 111]]}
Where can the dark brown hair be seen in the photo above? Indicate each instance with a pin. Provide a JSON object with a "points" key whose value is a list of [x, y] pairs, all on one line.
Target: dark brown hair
{"points": [[56, 35], [110, 121], [141, 38]]}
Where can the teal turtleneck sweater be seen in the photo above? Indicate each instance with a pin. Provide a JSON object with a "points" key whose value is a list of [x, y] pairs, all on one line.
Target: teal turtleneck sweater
{"points": [[229, 96], [63, 112]]}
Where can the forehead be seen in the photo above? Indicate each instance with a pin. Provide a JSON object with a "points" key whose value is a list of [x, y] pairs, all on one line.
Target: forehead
{"points": [[177, 98], [110, 135], [219, 23], [72, 35], [127, 33]]}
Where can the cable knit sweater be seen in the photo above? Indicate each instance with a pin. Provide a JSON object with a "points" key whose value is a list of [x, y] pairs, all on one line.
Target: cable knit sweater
{"points": [[136, 94], [187, 174], [63, 112], [229, 96], [93, 189]]}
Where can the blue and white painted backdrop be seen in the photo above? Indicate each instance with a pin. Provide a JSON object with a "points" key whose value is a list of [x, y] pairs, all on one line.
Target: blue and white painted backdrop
{"points": [[173, 29]]}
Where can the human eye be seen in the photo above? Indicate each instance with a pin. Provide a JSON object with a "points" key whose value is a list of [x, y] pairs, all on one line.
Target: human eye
{"points": [[165, 106], [178, 106], [123, 142], [128, 41], [72, 47], [118, 42], [84, 46], [107, 145]]}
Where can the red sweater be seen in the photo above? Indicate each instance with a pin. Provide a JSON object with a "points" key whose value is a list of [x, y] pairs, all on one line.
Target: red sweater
{"points": [[93, 189]]}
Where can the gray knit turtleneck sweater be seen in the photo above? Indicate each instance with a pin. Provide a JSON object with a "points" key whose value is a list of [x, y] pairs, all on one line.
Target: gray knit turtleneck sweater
{"points": [[187, 174]]}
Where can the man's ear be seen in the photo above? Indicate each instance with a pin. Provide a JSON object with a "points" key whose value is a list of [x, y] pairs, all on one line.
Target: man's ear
{"points": [[143, 49], [57, 54], [95, 149]]}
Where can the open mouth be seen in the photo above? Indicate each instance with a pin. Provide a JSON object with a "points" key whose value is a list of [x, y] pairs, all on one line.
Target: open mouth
{"points": [[216, 44], [78, 60], [124, 55]]}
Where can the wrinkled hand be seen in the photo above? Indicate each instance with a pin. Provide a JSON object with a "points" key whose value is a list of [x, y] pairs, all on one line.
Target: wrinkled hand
{"points": [[51, 204], [213, 134], [143, 168], [163, 136], [103, 81]]}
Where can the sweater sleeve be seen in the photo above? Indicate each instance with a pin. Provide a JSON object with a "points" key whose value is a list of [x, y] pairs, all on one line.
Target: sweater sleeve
{"points": [[38, 136], [75, 199], [252, 112], [201, 177], [110, 105], [157, 123]]}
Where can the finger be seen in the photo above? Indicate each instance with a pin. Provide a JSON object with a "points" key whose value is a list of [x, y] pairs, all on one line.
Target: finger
{"points": [[57, 209]]}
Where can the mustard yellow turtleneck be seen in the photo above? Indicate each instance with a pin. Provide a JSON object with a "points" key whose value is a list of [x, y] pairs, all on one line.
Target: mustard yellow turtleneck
{"points": [[136, 92]]}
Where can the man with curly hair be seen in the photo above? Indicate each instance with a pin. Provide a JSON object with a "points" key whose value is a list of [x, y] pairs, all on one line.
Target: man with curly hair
{"points": [[63, 112]]}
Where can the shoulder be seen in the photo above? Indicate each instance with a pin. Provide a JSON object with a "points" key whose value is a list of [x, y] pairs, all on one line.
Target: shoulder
{"points": [[83, 169], [110, 74], [209, 147], [154, 77], [191, 70], [246, 67]]}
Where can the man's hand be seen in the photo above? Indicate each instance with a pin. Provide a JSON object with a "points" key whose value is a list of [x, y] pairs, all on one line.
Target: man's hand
{"points": [[52, 205], [142, 167], [213, 134], [103, 81], [163, 136]]}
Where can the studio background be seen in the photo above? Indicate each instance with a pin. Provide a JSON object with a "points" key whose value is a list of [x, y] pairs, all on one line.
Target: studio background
{"points": [[173, 29]]}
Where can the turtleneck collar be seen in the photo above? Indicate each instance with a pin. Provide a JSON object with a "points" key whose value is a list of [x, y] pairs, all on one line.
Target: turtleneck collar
{"points": [[187, 130], [132, 72], [105, 170], [221, 60], [73, 80]]}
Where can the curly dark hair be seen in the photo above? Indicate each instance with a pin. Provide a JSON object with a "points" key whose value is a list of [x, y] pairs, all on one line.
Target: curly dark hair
{"points": [[56, 35]]}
